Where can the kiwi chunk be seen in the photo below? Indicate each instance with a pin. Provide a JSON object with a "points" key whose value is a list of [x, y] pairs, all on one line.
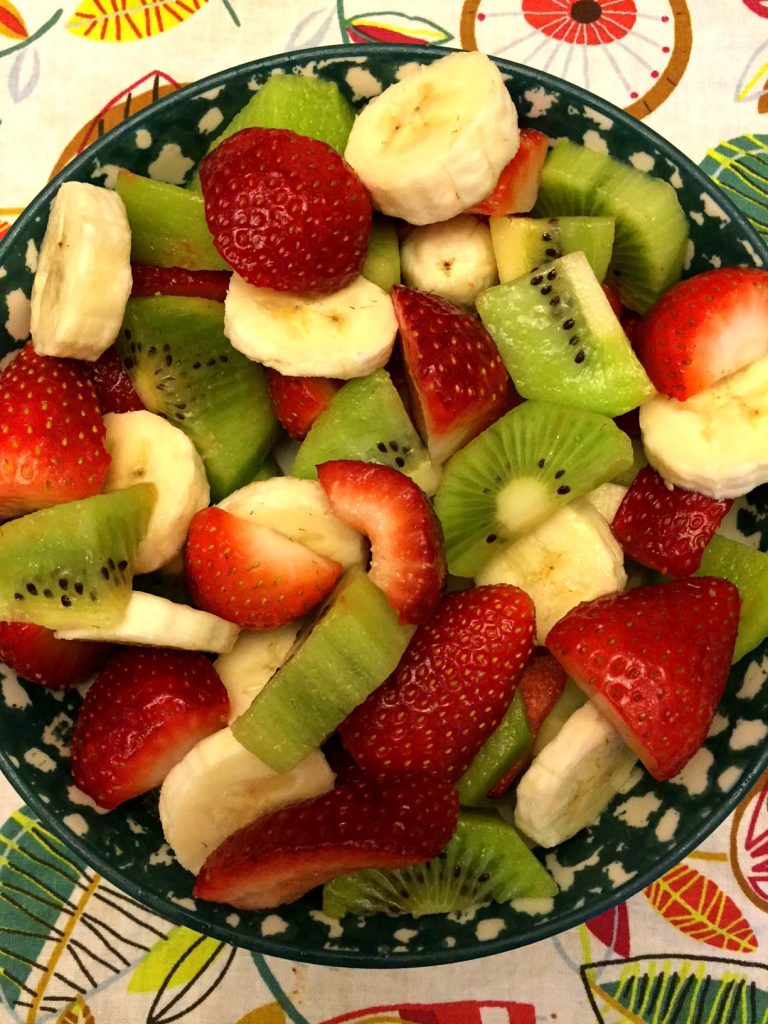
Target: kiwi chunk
{"points": [[486, 860], [521, 244], [747, 569], [570, 700], [518, 472], [183, 368], [561, 341], [353, 646], [382, 261], [507, 743], [71, 565]]}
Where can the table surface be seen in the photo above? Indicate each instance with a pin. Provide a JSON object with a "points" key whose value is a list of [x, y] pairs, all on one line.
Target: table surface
{"points": [[696, 72]]}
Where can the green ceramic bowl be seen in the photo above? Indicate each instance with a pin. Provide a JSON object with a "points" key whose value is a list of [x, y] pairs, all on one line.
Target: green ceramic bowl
{"points": [[605, 864]]}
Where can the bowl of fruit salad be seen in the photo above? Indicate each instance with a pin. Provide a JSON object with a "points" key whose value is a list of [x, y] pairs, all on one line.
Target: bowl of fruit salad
{"points": [[380, 578]]}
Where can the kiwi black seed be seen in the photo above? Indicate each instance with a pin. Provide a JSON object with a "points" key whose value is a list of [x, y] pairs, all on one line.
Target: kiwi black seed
{"points": [[523, 244]]}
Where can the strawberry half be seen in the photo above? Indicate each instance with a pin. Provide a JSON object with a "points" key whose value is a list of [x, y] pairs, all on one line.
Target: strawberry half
{"points": [[51, 436], [666, 528], [114, 388], [298, 401], [196, 284], [143, 713], [251, 575], [458, 382], [451, 689], [517, 189], [36, 654], [407, 556], [358, 825], [655, 660], [705, 328]]}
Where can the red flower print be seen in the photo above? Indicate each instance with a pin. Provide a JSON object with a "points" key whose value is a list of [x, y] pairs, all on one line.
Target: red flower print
{"points": [[585, 22]]}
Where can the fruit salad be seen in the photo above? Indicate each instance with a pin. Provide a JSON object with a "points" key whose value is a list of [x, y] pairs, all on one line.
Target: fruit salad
{"points": [[375, 499]]}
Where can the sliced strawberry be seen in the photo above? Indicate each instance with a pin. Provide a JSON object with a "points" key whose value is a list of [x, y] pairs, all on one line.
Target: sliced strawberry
{"points": [[666, 528], [451, 689], [114, 388], [51, 436], [613, 298], [195, 284], [518, 185], [360, 824], [457, 379], [705, 328], [655, 660], [143, 713], [298, 401], [36, 654], [407, 556], [252, 575]]}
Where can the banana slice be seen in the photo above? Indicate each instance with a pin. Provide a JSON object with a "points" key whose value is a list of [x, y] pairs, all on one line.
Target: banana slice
{"points": [[435, 143], [715, 442], [349, 333], [248, 667], [454, 259], [220, 786], [83, 277], [571, 557], [573, 779], [146, 448], [156, 622], [606, 499]]}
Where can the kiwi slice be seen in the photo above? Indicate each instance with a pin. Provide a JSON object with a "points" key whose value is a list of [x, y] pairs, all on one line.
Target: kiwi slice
{"points": [[521, 244], [520, 471], [183, 368], [71, 565], [561, 341], [366, 420], [570, 700], [506, 745], [486, 860], [747, 569], [353, 646], [382, 261], [639, 461]]}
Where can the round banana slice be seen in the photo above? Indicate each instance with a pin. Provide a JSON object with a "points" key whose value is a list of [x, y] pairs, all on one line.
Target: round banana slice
{"points": [[453, 259]]}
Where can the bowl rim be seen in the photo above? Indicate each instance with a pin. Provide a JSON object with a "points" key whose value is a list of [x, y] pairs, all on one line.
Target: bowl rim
{"points": [[338, 957]]}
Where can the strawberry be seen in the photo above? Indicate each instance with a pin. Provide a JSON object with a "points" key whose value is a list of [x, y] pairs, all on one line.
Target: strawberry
{"points": [[407, 556], [655, 660], [286, 211], [518, 185], [451, 689], [200, 284], [143, 713], [456, 376], [360, 824], [252, 575], [666, 528], [705, 328], [51, 436], [613, 298], [298, 401], [114, 388], [36, 654]]}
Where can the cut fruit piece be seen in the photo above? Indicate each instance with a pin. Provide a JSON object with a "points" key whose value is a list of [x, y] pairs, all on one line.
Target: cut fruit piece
{"points": [[453, 259], [486, 860], [518, 184], [298, 401], [38, 655], [562, 342], [113, 386], [747, 569], [382, 261], [521, 470], [522, 244], [506, 745], [606, 499], [569, 701], [353, 646], [248, 667], [639, 461], [193, 284]]}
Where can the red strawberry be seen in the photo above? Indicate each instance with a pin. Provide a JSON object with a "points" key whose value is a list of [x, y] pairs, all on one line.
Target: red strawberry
{"points": [[51, 435], [705, 328], [36, 654], [451, 688], [458, 381], [518, 185], [114, 388], [250, 574], [613, 298], [407, 557], [145, 711], [286, 211], [298, 401], [200, 284], [655, 660], [360, 824], [666, 528]]}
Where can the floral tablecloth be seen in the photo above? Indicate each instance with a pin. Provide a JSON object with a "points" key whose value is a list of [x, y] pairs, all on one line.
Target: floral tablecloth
{"points": [[73, 948]]}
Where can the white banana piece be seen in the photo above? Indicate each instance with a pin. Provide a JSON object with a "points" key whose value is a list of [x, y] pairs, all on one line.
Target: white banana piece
{"points": [[453, 259], [83, 276], [220, 787], [248, 667], [435, 143], [569, 558], [606, 499], [146, 448], [715, 442], [349, 333], [572, 779]]}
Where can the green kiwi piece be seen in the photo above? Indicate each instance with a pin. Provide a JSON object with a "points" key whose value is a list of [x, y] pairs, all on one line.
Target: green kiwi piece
{"points": [[518, 472], [354, 644], [382, 261], [506, 745], [639, 461], [570, 700], [183, 368], [486, 860], [71, 565], [561, 341], [267, 469], [522, 244], [747, 569]]}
